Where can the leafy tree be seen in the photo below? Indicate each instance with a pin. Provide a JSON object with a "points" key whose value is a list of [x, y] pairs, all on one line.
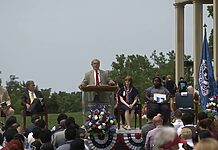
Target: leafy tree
{"points": [[15, 89], [136, 66], [143, 70]]}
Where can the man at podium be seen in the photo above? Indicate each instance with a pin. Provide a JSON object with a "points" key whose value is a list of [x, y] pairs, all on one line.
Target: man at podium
{"points": [[96, 79], [96, 76]]}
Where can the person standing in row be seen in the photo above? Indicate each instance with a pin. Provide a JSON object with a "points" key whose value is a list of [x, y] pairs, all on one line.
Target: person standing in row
{"points": [[128, 97]]}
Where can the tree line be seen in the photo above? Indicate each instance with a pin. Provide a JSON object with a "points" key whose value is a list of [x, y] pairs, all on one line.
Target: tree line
{"points": [[141, 68]]}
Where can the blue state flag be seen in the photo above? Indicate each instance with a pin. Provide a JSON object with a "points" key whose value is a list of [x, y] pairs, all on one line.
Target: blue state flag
{"points": [[206, 82]]}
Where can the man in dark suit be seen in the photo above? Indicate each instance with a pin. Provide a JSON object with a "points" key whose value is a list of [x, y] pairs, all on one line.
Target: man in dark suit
{"points": [[32, 98]]}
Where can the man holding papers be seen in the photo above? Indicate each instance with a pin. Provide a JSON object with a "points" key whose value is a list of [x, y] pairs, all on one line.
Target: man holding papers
{"points": [[5, 102], [157, 97]]}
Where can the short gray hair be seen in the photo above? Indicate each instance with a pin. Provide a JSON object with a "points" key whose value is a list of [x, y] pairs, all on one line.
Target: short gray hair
{"points": [[95, 60], [165, 135]]}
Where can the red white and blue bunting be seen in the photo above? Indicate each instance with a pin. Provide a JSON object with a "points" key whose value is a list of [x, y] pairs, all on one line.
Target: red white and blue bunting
{"points": [[133, 140], [106, 143]]}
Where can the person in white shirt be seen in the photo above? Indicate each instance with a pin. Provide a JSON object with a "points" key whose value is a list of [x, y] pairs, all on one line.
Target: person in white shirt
{"points": [[178, 122]]}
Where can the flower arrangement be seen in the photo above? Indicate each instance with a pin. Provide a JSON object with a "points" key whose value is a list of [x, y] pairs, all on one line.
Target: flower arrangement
{"points": [[212, 105], [100, 121]]}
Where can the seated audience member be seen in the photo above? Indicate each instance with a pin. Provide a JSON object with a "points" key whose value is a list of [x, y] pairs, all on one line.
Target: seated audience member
{"points": [[45, 136], [9, 134], [36, 145], [188, 121], [202, 115], [60, 121], [205, 124], [214, 129], [70, 135], [58, 138], [5, 103], [202, 134], [149, 125], [32, 98], [167, 138], [77, 144], [158, 122], [14, 144], [206, 144], [161, 107], [186, 134], [178, 122], [21, 138], [40, 124], [47, 146], [30, 127], [128, 96], [11, 121]]}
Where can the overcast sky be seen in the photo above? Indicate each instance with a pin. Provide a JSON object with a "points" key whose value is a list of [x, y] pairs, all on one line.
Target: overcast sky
{"points": [[53, 41]]}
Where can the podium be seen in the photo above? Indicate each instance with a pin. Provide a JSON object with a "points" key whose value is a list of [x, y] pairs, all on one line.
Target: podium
{"points": [[97, 95]]}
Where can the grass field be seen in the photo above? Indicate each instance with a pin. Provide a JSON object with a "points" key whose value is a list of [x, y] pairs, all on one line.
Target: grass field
{"points": [[52, 119]]}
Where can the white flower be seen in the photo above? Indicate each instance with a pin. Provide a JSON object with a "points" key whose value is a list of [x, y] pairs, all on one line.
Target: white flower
{"points": [[96, 117], [111, 121], [90, 123], [103, 124], [90, 116], [100, 127], [102, 113]]}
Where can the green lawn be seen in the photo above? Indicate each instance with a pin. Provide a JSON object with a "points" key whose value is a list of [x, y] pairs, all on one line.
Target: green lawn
{"points": [[52, 119]]}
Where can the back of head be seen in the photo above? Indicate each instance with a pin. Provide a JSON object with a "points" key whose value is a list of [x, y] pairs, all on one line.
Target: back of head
{"points": [[45, 136], [77, 144], [36, 132], [40, 123], [47, 146], [202, 134], [150, 114], [10, 121], [69, 121], [34, 118], [9, 134], [187, 118], [70, 132], [166, 142], [178, 114], [205, 123], [202, 115], [206, 144], [157, 120], [186, 133], [60, 117]]}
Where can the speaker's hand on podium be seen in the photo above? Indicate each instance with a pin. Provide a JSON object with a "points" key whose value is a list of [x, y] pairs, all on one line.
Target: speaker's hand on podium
{"points": [[111, 82]]}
